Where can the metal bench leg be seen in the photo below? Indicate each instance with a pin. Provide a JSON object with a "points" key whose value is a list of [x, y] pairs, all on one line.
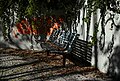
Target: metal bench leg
{"points": [[64, 60], [48, 52]]}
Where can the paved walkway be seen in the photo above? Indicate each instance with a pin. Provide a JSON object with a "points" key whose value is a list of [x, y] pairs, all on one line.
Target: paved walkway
{"points": [[16, 68]]}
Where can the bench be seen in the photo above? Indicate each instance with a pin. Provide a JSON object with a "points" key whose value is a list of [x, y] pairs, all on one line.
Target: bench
{"points": [[57, 41], [79, 52], [76, 50]]}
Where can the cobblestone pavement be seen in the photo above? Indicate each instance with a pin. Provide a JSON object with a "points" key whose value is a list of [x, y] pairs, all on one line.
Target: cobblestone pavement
{"points": [[18, 68]]}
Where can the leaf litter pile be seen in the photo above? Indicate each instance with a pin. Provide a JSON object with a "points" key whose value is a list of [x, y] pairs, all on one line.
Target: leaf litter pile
{"points": [[46, 67]]}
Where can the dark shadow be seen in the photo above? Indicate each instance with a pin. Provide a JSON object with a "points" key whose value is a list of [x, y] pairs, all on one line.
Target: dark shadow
{"points": [[11, 60], [114, 64], [39, 71], [3, 45], [5, 68], [54, 76], [18, 65], [33, 72]]}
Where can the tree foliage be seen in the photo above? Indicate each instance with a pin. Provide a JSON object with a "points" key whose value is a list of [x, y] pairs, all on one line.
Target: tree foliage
{"points": [[71, 8], [103, 6], [11, 11]]}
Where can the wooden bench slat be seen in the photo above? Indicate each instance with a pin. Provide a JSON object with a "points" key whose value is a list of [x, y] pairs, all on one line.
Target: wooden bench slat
{"points": [[82, 55], [83, 45], [82, 50]]}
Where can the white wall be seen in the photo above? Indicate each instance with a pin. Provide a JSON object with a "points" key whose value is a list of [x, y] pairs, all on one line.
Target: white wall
{"points": [[108, 61]]}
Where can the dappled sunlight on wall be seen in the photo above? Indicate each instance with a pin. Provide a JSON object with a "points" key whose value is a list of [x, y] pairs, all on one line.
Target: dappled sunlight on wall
{"points": [[109, 46], [114, 63]]}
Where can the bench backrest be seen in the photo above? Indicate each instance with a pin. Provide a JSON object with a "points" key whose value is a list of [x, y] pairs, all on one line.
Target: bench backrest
{"points": [[54, 35], [72, 38], [82, 49], [63, 39]]}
